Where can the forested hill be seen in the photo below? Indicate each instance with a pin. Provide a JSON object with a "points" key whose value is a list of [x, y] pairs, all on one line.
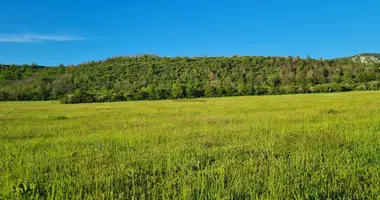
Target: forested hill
{"points": [[152, 77]]}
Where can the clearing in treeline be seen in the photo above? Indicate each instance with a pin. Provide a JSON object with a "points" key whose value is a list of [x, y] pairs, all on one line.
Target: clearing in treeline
{"points": [[313, 146]]}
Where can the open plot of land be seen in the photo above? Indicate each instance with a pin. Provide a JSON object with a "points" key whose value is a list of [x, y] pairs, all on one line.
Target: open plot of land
{"points": [[268, 147]]}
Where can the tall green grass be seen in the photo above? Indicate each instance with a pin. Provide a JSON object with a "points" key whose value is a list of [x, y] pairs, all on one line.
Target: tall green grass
{"points": [[323, 146]]}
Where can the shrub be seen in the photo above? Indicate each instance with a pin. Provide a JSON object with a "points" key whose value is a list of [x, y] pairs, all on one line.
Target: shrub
{"points": [[361, 86], [117, 97], [347, 87], [332, 112], [373, 85], [261, 90], [77, 97], [328, 87], [3, 95], [288, 89], [59, 117]]}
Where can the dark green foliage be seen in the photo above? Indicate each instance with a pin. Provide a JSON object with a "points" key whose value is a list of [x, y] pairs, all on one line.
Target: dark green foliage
{"points": [[60, 117], [332, 112], [78, 97], [329, 87], [156, 78]]}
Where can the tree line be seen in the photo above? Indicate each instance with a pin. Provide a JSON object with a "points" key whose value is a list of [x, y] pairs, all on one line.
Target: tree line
{"points": [[156, 78]]}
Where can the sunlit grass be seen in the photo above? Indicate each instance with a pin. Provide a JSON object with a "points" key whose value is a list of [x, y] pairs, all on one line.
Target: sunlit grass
{"points": [[270, 147]]}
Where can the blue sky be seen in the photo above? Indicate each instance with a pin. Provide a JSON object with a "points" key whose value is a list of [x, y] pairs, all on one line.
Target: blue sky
{"points": [[50, 32]]}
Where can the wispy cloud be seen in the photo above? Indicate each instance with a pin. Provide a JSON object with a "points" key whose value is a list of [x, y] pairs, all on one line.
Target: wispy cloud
{"points": [[28, 38]]}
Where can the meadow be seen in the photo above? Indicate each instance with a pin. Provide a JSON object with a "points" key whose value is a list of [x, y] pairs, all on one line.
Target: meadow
{"points": [[311, 146]]}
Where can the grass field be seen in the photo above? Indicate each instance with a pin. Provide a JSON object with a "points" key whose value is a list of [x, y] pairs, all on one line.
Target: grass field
{"points": [[323, 146]]}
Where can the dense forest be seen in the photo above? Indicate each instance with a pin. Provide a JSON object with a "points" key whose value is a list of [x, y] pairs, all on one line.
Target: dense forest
{"points": [[151, 77]]}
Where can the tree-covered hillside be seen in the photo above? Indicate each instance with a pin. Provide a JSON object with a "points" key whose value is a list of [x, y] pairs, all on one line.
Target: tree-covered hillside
{"points": [[377, 55], [152, 77]]}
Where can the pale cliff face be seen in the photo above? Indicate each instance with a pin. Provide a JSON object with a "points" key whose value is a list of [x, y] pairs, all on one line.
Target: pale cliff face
{"points": [[366, 59]]}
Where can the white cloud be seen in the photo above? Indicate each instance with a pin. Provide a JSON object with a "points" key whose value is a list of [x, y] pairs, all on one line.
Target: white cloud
{"points": [[28, 38]]}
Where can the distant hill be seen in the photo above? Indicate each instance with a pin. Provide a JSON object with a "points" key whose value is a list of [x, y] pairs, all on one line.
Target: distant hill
{"points": [[365, 58], [149, 77]]}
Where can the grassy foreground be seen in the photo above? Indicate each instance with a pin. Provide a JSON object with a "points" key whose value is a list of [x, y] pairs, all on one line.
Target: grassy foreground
{"points": [[323, 146]]}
